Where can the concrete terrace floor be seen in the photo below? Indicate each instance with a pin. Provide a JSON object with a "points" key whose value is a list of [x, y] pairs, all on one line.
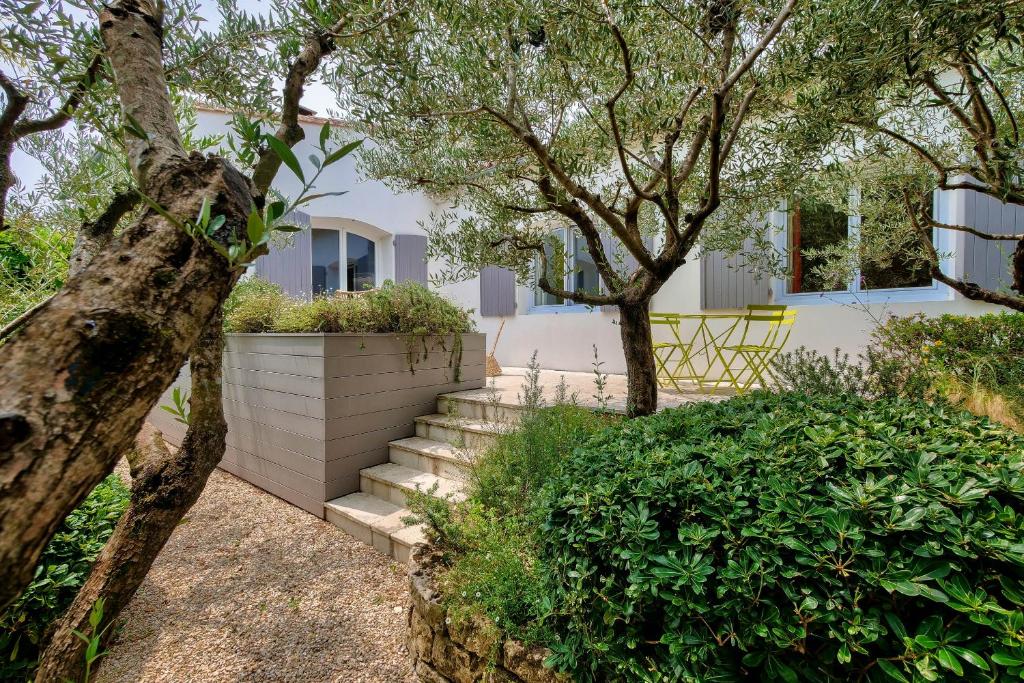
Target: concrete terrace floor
{"points": [[507, 389]]}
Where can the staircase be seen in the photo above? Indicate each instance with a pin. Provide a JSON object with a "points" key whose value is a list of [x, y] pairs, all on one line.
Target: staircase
{"points": [[440, 454]]}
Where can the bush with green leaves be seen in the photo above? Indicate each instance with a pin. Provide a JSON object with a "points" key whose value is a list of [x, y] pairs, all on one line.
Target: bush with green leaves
{"points": [[490, 541], [62, 569], [788, 537], [809, 372], [951, 355]]}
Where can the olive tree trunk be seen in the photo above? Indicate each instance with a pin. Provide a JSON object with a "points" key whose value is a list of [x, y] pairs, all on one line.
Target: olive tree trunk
{"points": [[79, 378], [165, 486], [637, 345]]}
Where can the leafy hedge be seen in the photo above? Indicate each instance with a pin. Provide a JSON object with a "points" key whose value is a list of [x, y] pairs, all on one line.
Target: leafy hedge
{"points": [[62, 569], [782, 537]]}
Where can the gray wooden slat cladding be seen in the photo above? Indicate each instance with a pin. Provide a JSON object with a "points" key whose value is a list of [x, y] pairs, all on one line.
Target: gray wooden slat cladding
{"points": [[306, 412], [497, 292], [987, 262], [727, 282], [291, 266], [411, 258]]}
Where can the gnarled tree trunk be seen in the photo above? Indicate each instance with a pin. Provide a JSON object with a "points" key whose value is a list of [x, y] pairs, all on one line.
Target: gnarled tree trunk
{"points": [[637, 345], [165, 486], [77, 381]]}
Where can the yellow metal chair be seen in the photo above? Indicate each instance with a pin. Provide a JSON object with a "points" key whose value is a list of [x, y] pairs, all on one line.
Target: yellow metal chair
{"points": [[672, 353], [751, 359]]}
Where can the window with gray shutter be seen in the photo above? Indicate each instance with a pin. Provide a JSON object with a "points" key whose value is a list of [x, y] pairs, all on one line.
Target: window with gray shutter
{"points": [[727, 282], [290, 266], [497, 292], [987, 262], [411, 258]]}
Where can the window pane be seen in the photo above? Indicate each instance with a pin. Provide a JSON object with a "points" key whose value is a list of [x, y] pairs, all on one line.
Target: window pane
{"points": [[585, 277], [814, 225], [895, 258], [362, 264], [326, 256], [542, 298]]}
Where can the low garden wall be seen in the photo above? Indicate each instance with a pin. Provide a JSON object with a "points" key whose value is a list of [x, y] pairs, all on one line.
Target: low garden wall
{"points": [[306, 412], [444, 651]]}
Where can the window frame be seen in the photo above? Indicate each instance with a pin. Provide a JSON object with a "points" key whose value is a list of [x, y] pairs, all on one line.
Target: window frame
{"points": [[343, 232], [567, 306], [855, 293]]}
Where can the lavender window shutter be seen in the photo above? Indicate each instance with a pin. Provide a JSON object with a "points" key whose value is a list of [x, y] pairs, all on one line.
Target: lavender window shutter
{"points": [[290, 266], [411, 258], [497, 292]]}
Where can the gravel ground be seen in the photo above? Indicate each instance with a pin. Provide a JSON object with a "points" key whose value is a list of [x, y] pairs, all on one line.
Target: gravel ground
{"points": [[250, 588]]}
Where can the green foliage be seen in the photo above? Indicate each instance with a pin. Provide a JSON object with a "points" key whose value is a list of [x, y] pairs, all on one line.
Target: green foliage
{"points": [[253, 306], [62, 569], [917, 356], [509, 476], [491, 541], [786, 537], [809, 372], [406, 308]]}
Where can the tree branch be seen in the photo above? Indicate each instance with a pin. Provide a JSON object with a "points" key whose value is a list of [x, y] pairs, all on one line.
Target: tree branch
{"points": [[62, 115], [760, 47], [289, 131]]}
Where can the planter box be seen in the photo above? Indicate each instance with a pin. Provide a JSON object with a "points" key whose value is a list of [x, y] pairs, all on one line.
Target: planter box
{"points": [[306, 412]]}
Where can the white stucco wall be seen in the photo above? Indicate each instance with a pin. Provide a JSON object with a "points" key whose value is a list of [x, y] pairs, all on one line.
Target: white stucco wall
{"points": [[565, 340]]}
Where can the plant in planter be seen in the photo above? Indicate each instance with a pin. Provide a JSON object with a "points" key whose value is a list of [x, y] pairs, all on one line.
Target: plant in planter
{"points": [[315, 390]]}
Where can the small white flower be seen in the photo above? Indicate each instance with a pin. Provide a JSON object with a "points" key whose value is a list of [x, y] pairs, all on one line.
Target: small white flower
{"points": [[478, 594], [448, 620]]}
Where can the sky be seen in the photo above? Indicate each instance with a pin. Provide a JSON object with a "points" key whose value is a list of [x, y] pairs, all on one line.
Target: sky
{"points": [[317, 96]]}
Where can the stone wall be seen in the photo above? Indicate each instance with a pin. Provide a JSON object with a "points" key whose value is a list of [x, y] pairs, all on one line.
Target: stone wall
{"points": [[447, 652]]}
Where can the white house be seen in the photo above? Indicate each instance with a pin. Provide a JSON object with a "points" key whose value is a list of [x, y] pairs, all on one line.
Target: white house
{"points": [[377, 233]]}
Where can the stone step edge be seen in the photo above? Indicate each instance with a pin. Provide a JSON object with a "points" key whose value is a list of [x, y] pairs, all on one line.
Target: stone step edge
{"points": [[407, 535], [402, 445], [474, 426], [371, 474]]}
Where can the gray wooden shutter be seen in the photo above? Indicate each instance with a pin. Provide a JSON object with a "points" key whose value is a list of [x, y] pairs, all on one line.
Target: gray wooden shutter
{"points": [[727, 281], [411, 258], [987, 262], [291, 267], [497, 291]]}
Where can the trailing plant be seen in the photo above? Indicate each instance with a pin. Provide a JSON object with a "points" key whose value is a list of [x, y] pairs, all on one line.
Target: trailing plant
{"points": [[789, 537], [809, 372], [409, 308], [62, 569]]}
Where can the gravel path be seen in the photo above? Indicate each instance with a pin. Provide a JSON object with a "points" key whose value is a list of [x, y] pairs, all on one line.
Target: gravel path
{"points": [[250, 588]]}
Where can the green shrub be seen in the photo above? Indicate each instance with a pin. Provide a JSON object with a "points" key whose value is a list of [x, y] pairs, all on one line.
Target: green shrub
{"points": [[951, 356], [809, 372], [407, 308], [490, 541], [508, 477], [253, 306], [62, 569], [785, 537]]}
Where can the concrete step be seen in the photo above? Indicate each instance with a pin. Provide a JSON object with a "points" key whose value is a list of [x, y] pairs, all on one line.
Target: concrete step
{"points": [[481, 404], [466, 433], [436, 457], [376, 522], [393, 482]]}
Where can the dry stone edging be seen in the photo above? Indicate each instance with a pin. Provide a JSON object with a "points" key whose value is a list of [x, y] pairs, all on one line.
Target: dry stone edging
{"points": [[443, 651]]}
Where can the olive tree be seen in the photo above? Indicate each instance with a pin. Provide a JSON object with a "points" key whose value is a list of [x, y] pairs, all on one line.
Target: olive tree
{"points": [[79, 376], [936, 104], [631, 123]]}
